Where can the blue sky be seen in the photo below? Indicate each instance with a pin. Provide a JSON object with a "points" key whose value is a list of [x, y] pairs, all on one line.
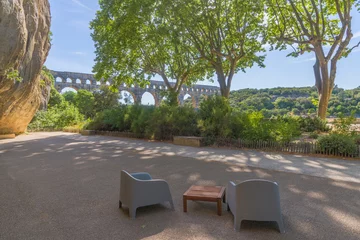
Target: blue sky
{"points": [[73, 50]]}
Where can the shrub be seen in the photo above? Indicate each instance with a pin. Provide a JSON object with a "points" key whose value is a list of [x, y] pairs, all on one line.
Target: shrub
{"points": [[337, 144], [161, 124], [142, 121], [131, 114], [313, 135], [310, 124], [185, 121], [108, 120], [285, 129], [215, 117], [85, 102], [255, 127], [56, 118], [168, 121], [342, 125]]}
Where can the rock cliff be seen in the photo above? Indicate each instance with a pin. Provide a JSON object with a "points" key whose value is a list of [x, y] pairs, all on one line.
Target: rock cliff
{"points": [[24, 46]]}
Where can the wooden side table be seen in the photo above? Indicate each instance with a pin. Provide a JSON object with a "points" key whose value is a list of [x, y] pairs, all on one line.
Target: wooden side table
{"points": [[206, 194]]}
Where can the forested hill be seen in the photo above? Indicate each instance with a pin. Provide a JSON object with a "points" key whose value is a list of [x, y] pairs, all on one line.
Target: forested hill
{"points": [[297, 101]]}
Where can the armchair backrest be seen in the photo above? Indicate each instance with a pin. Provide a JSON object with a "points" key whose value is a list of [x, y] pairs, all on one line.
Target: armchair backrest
{"points": [[258, 198], [126, 186]]}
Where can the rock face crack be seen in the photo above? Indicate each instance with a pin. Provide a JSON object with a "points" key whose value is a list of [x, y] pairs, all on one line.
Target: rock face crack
{"points": [[24, 47]]}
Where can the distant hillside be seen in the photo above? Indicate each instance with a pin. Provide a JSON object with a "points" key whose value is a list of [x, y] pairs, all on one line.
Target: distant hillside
{"points": [[296, 101]]}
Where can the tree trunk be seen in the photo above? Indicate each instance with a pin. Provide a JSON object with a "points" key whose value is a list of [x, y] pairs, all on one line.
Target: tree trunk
{"points": [[24, 38], [225, 90], [323, 105], [323, 85]]}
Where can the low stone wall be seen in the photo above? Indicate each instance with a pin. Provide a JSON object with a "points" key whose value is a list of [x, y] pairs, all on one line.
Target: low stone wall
{"points": [[188, 141], [7, 136], [110, 133], [118, 134], [88, 132]]}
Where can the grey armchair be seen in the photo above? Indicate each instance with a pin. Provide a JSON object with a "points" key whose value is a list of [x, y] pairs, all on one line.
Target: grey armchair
{"points": [[139, 189], [255, 200]]}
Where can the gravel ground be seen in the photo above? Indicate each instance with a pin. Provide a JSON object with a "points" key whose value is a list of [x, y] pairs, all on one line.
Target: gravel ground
{"points": [[60, 186]]}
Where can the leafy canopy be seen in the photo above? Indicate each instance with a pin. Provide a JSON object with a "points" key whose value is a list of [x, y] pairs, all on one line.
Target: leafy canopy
{"points": [[135, 42], [227, 34]]}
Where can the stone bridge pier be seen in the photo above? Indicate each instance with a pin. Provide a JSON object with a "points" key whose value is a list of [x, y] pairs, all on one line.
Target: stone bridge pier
{"points": [[155, 88]]}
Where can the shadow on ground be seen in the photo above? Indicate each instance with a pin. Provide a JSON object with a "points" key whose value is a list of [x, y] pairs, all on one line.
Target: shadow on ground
{"points": [[67, 188]]}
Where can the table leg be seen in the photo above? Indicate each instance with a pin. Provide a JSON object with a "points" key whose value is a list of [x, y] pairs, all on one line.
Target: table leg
{"points": [[219, 209], [185, 204]]}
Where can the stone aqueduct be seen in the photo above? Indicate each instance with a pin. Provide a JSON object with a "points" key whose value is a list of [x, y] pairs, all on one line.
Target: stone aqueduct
{"points": [[88, 82]]}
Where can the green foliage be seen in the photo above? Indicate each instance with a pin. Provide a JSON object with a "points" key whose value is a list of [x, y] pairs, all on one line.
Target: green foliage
{"points": [[55, 97], [70, 97], [255, 127], [46, 72], [105, 99], [312, 26], [309, 124], [285, 129], [56, 118], [168, 121], [85, 101], [337, 144], [280, 101], [147, 121], [342, 125], [132, 47], [141, 124], [215, 117], [313, 135], [227, 34], [13, 74]]}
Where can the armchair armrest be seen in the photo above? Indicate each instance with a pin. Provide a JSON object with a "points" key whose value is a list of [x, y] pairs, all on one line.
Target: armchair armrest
{"points": [[152, 192], [231, 196]]}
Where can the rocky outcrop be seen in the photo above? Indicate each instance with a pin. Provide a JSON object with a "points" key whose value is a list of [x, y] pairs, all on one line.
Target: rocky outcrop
{"points": [[46, 80], [24, 46]]}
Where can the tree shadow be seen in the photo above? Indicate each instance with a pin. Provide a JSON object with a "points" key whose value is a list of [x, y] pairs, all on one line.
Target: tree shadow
{"points": [[68, 187]]}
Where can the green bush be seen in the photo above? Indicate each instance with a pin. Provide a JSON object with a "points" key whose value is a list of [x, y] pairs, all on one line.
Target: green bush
{"points": [[168, 121], [142, 122], [108, 120], [342, 125], [337, 144], [215, 117], [251, 126], [131, 114], [310, 124], [284, 129], [56, 118], [313, 135]]}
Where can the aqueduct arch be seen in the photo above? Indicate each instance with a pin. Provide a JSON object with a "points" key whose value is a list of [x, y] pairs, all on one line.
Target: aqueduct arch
{"points": [[88, 82]]}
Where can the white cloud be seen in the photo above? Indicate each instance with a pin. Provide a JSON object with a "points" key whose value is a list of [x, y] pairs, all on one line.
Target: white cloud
{"points": [[356, 35], [267, 46], [306, 60], [78, 53], [77, 2]]}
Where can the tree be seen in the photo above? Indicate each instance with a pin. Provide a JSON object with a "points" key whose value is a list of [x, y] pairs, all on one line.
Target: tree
{"points": [[55, 97], [84, 100], [105, 98], [227, 34], [312, 26], [70, 97], [134, 41]]}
